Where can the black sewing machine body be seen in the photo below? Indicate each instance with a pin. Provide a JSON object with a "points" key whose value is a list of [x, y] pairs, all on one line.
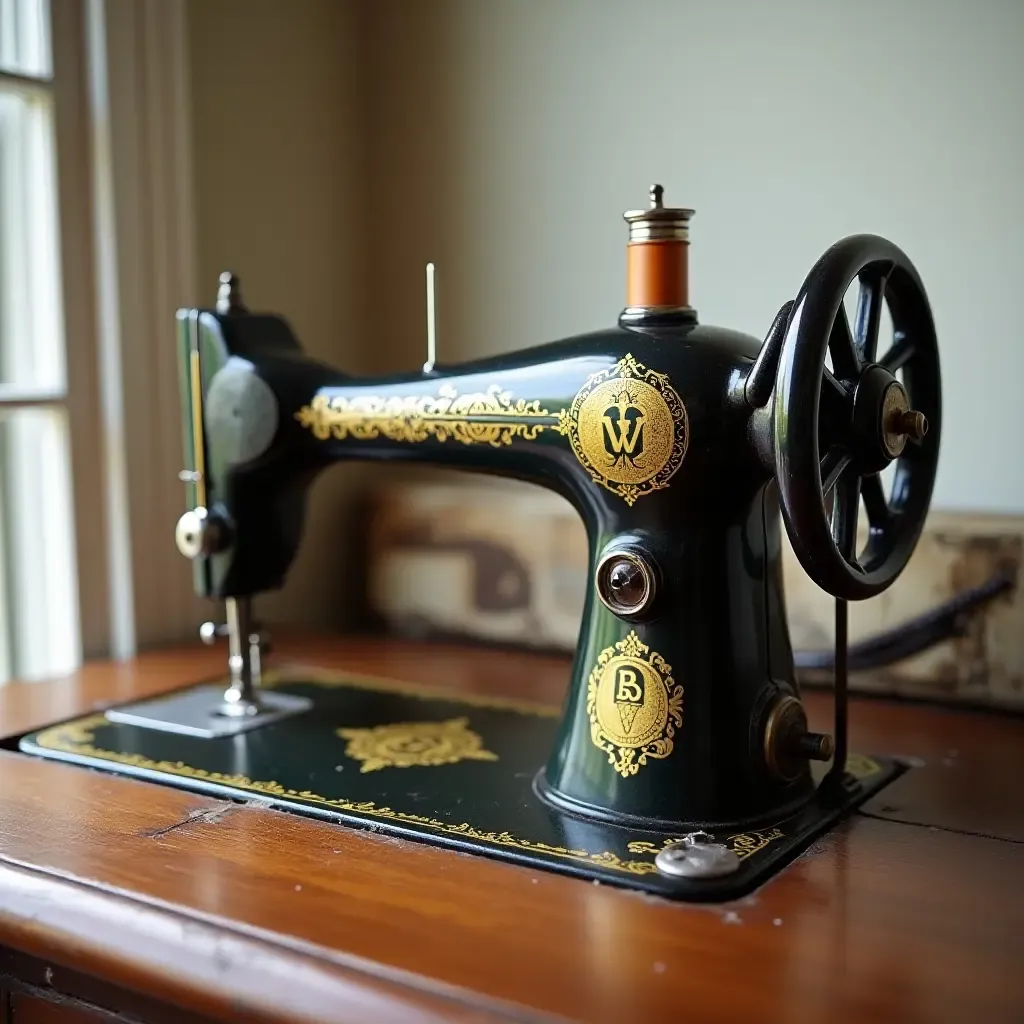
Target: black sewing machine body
{"points": [[682, 762], [710, 529]]}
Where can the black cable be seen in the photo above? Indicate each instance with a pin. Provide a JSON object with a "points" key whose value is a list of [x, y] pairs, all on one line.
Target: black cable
{"points": [[943, 622]]}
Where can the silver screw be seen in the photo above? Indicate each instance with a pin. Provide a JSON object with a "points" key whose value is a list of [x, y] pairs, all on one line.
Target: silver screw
{"points": [[692, 859]]}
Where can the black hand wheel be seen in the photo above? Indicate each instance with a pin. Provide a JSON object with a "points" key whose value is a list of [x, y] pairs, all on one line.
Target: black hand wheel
{"points": [[835, 431]]}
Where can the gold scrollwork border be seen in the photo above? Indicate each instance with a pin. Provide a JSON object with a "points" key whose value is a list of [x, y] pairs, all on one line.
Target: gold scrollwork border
{"points": [[492, 417]]}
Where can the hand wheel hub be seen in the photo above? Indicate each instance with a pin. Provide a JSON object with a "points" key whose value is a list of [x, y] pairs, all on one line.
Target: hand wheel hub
{"points": [[883, 421]]}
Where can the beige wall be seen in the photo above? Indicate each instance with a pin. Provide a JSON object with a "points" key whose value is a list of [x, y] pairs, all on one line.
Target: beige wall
{"points": [[511, 135], [279, 166]]}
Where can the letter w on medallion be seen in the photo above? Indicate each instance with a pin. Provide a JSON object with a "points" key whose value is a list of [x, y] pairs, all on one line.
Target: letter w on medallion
{"points": [[623, 424]]}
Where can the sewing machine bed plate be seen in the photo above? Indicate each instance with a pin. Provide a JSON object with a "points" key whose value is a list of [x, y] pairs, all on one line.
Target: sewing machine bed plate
{"points": [[455, 771]]}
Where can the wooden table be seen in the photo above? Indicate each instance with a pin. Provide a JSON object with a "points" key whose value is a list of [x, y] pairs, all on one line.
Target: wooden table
{"points": [[166, 906]]}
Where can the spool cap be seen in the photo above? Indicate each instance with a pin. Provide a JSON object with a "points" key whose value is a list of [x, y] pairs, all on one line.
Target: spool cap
{"points": [[658, 222]]}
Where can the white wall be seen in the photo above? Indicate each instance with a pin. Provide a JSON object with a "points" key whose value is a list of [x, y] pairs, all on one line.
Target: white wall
{"points": [[506, 139]]}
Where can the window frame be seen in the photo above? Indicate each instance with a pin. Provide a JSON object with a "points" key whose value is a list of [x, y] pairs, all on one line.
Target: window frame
{"points": [[42, 607], [121, 126]]}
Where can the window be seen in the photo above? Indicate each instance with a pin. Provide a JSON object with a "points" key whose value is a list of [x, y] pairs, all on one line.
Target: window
{"points": [[39, 620]]}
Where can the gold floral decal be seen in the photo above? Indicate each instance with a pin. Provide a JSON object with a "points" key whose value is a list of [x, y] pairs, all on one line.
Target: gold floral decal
{"points": [[634, 705], [415, 745], [628, 428], [493, 417]]}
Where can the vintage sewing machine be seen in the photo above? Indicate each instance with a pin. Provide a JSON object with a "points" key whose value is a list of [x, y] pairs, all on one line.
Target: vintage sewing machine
{"points": [[682, 762]]}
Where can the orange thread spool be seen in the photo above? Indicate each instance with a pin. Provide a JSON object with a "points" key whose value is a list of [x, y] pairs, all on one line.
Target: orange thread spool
{"points": [[657, 278]]}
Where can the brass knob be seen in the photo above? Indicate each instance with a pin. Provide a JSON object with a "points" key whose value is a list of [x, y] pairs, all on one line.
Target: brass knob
{"points": [[789, 744]]}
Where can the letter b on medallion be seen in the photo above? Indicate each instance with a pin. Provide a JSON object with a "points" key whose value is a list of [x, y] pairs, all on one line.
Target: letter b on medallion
{"points": [[629, 696]]}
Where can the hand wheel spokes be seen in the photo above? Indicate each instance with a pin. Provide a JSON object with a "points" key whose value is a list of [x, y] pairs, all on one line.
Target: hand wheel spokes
{"points": [[851, 352], [869, 310], [845, 478], [901, 352], [846, 362], [845, 512]]}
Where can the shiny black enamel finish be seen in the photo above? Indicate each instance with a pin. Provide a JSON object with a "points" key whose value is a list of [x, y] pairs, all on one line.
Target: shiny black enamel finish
{"points": [[837, 446], [713, 533]]}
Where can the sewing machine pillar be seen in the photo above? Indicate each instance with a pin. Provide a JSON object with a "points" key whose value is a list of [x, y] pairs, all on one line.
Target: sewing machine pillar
{"points": [[719, 648]]}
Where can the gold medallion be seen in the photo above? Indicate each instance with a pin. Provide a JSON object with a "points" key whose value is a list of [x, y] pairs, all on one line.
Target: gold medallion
{"points": [[628, 428], [634, 705], [415, 745]]}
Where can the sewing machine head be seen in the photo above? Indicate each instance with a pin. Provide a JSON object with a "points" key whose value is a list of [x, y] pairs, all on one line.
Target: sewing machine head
{"points": [[679, 444]]}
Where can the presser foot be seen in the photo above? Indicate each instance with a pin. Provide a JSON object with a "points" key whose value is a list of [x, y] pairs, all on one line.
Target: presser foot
{"points": [[209, 712]]}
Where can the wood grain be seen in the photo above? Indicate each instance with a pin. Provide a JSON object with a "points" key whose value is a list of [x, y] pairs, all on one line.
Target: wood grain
{"points": [[246, 913]]}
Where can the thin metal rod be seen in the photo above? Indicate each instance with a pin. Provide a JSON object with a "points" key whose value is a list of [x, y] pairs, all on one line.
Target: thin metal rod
{"points": [[838, 769], [431, 322], [240, 698]]}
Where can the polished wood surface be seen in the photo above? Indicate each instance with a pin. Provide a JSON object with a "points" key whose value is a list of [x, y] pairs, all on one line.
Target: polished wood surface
{"points": [[236, 912]]}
